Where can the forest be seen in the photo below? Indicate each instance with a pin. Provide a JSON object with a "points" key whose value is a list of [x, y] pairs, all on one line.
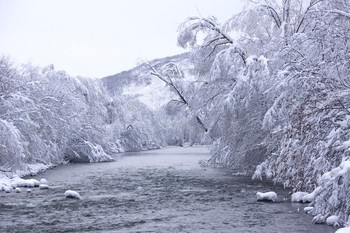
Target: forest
{"points": [[269, 92]]}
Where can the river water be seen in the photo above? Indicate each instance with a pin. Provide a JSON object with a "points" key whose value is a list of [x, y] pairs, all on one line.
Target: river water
{"points": [[155, 191]]}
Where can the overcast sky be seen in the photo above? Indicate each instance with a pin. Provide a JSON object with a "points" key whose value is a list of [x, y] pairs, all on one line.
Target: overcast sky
{"points": [[97, 38]]}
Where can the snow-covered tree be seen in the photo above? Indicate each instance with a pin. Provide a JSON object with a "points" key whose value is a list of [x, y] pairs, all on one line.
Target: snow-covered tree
{"points": [[276, 77], [48, 117], [229, 90]]}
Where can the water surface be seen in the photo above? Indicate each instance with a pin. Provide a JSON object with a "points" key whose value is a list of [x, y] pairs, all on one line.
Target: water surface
{"points": [[155, 191]]}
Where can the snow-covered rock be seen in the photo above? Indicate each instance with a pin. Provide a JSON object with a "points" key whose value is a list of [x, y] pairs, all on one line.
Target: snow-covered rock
{"points": [[308, 209], [7, 189], [72, 194], [268, 196], [343, 230], [19, 182], [333, 220], [298, 196], [319, 219], [35, 182], [310, 197], [43, 181], [18, 190], [28, 190], [44, 186], [29, 183]]}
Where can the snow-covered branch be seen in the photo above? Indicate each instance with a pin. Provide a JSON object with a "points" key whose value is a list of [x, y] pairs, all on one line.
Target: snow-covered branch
{"points": [[341, 13]]}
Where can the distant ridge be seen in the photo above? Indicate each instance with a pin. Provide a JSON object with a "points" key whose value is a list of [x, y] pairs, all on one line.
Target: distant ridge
{"points": [[140, 74]]}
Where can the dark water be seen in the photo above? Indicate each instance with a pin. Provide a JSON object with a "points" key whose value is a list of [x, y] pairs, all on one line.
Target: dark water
{"points": [[155, 191]]}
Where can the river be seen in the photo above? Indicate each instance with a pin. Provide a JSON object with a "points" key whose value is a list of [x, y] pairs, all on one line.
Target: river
{"points": [[154, 191]]}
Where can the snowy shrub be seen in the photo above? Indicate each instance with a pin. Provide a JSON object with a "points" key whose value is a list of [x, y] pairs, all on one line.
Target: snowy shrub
{"points": [[331, 196]]}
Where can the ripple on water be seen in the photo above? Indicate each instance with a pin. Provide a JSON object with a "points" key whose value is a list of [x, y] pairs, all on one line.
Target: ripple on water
{"points": [[162, 192]]}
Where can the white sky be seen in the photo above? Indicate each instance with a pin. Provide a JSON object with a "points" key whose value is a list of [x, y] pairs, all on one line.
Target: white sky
{"points": [[97, 38]]}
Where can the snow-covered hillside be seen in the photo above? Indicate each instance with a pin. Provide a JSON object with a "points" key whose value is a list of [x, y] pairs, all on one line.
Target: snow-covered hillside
{"points": [[140, 84]]}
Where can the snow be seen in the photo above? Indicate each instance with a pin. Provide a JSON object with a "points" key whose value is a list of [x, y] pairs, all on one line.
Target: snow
{"points": [[298, 196], [43, 181], [343, 230], [7, 189], [28, 190], [72, 194], [18, 190], [343, 13], [346, 143], [333, 220], [44, 186], [308, 209], [332, 191], [268, 196], [319, 219], [309, 197], [19, 182], [97, 153], [150, 94], [36, 182]]}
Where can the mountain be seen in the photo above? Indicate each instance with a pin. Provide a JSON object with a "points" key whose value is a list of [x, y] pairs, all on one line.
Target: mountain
{"points": [[140, 84]]}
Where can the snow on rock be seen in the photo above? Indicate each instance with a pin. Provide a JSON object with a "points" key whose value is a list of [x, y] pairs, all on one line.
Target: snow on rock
{"points": [[319, 219], [333, 220], [13, 184], [308, 209], [298, 196], [28, 190], [35, 182], [268, 196], [44, 186], [19, 182], [72, 194], [309, 197], [18, 190], [7, 189], [29, 183], [43, 181], [343, 230]]}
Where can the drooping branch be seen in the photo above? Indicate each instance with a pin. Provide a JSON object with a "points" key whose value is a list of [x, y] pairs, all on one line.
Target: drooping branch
{"points": [[272, 12], [176, 90], [170, 83], [218, 30]]}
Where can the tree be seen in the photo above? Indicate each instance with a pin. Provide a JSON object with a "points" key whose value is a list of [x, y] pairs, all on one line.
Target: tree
{"points": [[171, 75]]}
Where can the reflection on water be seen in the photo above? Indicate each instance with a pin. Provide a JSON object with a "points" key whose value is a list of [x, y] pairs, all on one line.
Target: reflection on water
{"points": [[155, 191]]}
